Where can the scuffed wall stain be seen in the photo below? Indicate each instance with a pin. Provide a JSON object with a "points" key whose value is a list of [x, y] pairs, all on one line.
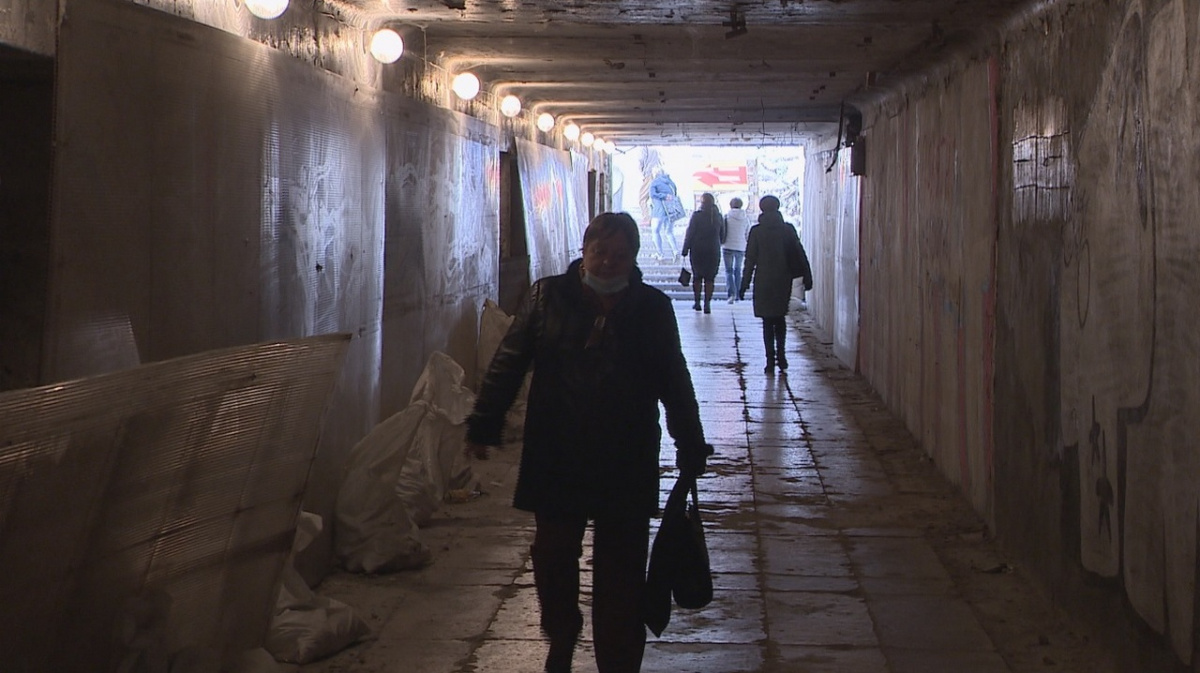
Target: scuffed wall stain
{"points": [[1043, 168]]}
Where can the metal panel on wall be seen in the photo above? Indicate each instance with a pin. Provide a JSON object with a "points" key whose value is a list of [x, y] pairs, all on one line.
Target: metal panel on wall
{"points": [[554, 189], [152, 509], [209, 191]]}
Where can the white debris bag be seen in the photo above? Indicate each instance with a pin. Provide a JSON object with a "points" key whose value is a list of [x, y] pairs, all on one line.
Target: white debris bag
{"points": [[306, 627], [435, 463], [493, 325], [374, 531]]}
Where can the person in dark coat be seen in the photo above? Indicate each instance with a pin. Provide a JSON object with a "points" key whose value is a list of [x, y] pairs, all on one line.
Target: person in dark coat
{"points": [[604, 348], [767, 265], [702, 241]]}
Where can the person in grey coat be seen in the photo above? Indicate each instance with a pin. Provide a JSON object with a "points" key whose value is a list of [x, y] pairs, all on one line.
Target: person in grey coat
{"points": [[703, 242], [733, 247], [767, 252]]}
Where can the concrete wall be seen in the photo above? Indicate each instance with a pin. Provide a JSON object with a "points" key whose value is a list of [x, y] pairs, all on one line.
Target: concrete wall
{"points": [[830, 237], [29, 25], [1028, 259], [928, 232], [1102, 127]]}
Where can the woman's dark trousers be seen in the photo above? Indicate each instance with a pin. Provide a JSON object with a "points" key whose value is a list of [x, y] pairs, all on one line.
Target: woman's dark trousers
{"points": [[618, 578], [774, 340]]}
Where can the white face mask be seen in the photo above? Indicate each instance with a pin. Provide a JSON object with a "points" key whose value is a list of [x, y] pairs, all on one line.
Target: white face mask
{"points": [[602, 286]]}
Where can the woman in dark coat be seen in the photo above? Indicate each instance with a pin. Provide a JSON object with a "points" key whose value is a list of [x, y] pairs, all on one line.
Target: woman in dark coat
{"points": [[767, 264], [604, 349], [703, 241]]}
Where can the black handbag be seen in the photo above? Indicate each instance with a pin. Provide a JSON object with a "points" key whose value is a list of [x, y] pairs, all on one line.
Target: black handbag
{"points": [[685, 277], [679, 565], [798, 266]]}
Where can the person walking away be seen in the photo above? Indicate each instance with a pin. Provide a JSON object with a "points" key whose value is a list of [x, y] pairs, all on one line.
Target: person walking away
{"points": [[703, 242], [733, 247], [665, 208], [607, 352], [767, 251]]}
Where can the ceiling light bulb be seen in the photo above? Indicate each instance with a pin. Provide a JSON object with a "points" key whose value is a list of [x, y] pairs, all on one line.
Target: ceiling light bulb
{"points": [[387, 46], [510, 106], [267, 9], [600, 145], [571, 131], [466, 85], [587, 139], [545, 122]]}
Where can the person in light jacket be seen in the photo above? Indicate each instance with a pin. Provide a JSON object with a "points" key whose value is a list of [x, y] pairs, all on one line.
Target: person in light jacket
{"points": [[767, 251], [733, 247], [665, 208], [605, 351]]}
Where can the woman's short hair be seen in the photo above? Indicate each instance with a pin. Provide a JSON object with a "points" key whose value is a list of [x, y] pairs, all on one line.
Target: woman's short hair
{"points": [[607, 224], [735, 202]]}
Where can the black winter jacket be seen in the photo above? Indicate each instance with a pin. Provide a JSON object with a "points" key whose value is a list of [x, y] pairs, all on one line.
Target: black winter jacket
{"points": [[592, 431]]}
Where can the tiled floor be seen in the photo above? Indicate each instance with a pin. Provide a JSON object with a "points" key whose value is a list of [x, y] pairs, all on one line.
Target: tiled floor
{"points": [[835, 547]]}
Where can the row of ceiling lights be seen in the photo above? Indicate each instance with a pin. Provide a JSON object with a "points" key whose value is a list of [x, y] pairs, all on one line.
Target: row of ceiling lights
{"points": [[387, 47]]}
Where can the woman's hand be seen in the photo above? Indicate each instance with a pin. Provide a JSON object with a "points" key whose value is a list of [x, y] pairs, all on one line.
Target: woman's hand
{"points": [[475, 450], [693, 461]]}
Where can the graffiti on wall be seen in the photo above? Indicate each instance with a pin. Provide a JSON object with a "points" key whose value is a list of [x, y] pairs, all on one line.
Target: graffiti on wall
{"points": [[1127, 359]]}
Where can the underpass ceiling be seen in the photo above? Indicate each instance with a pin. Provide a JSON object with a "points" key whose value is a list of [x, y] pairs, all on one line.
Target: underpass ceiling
{"points": [[654, 72]]}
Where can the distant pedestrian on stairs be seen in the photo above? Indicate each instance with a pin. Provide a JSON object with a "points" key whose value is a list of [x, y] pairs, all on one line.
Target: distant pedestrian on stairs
{"points": [[772, 241], [703, 242], [733, 246], [665, 208]]}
